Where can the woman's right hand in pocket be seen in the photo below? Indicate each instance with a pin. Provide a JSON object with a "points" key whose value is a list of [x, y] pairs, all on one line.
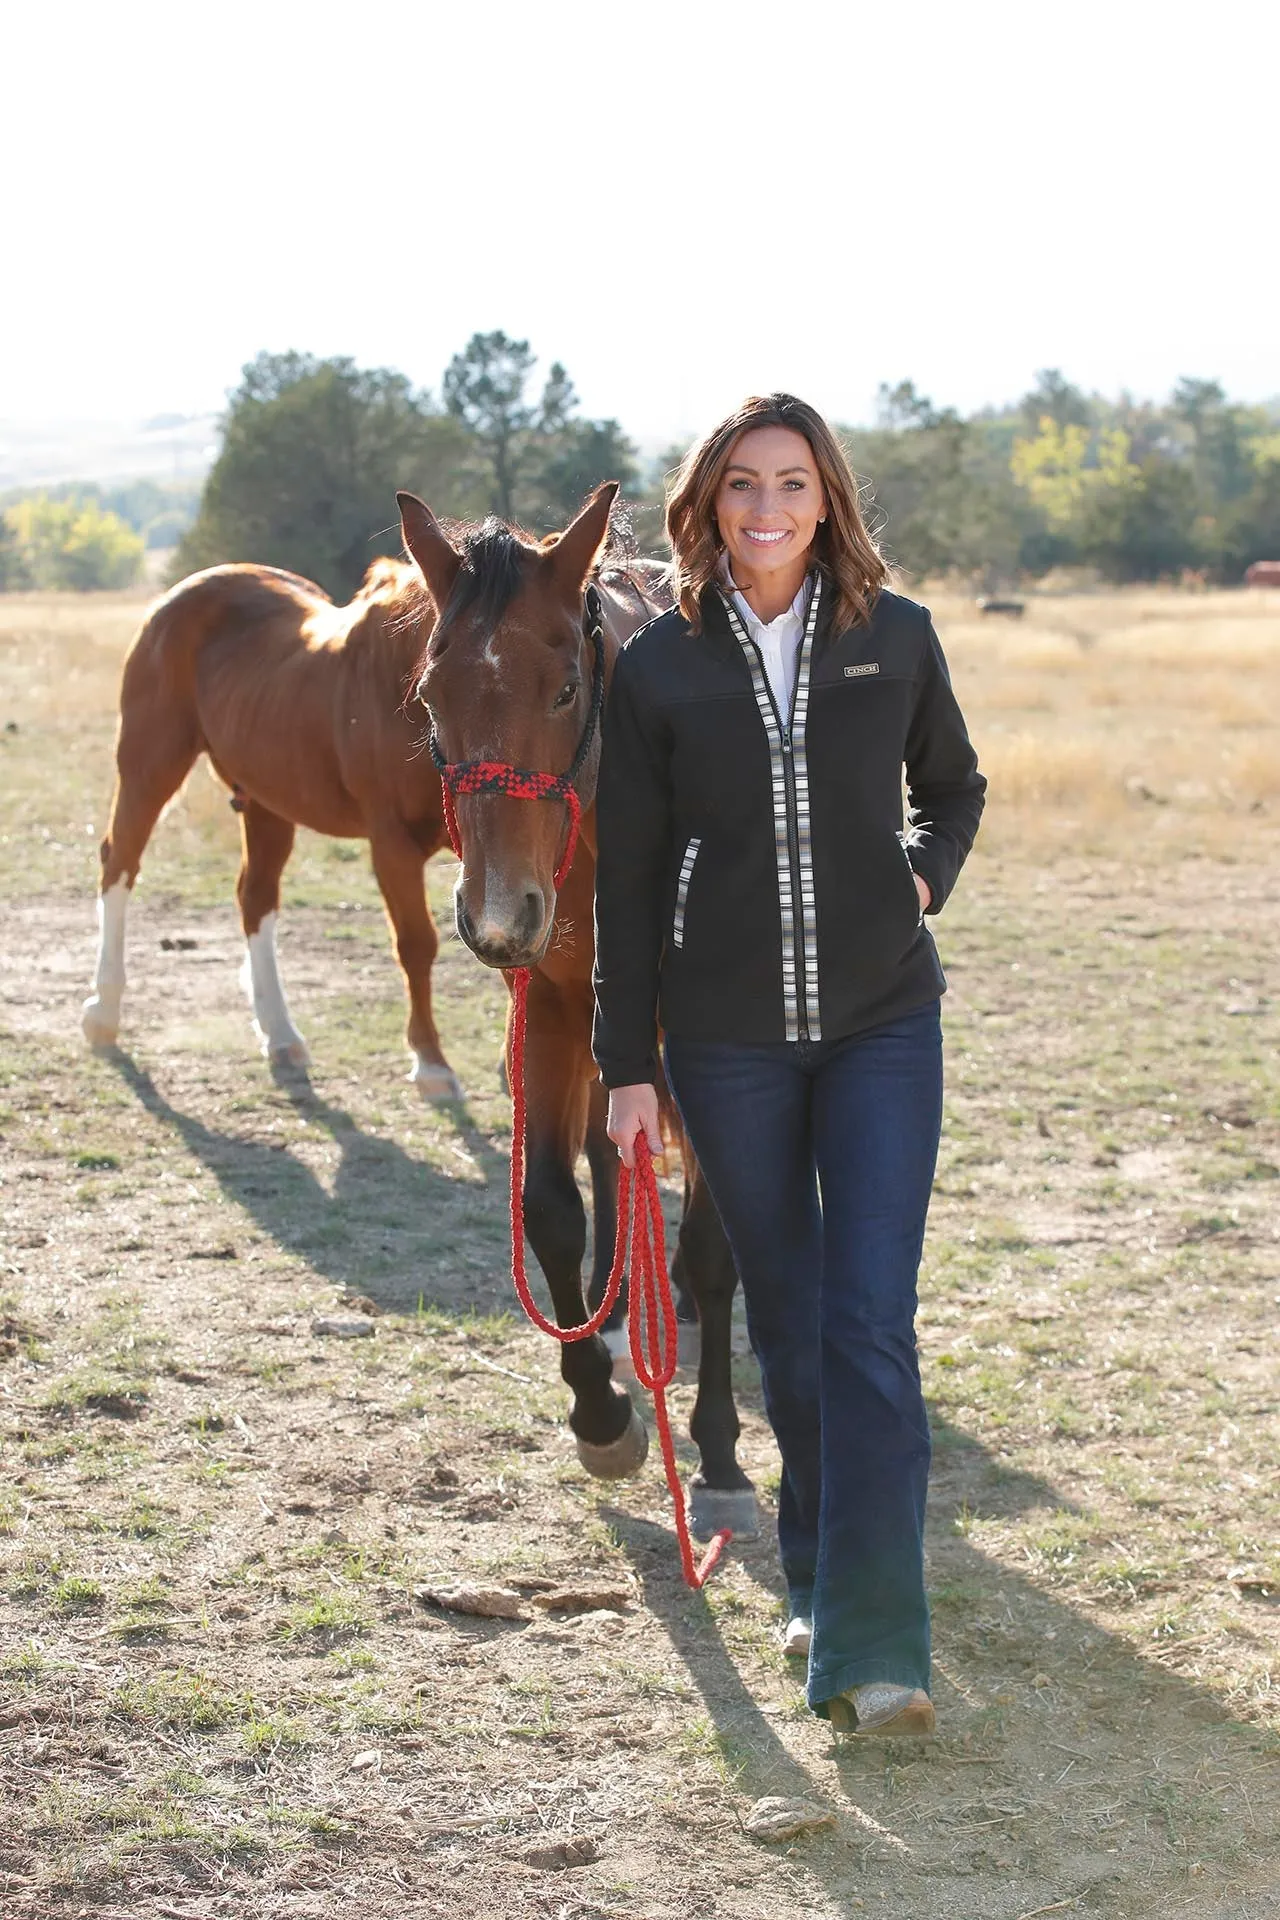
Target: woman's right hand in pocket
{"points": [[634, 1110]]}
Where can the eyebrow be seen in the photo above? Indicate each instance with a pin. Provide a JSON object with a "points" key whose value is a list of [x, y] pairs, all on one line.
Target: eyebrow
{"points": [[736, 466]]}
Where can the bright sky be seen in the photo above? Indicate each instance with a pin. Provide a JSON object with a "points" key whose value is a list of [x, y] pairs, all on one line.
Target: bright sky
{"points": [[684, 202]]}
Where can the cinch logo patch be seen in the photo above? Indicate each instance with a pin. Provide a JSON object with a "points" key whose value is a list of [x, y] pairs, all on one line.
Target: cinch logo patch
{"points": [[867, 666]]}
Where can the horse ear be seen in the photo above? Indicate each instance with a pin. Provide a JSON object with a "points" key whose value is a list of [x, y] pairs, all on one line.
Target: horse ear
{"points": [[437, 561], [574, 552]]}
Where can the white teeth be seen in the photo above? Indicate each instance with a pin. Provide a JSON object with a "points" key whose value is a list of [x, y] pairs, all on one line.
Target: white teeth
{"points": [[764, 537]]}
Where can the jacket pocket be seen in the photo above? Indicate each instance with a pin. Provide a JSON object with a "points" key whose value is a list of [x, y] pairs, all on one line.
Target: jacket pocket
{"points": [[911, 875], [682, 891]]}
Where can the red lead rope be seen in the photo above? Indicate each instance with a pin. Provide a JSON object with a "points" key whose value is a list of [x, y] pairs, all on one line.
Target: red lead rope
{"points": [[651, 1324]]}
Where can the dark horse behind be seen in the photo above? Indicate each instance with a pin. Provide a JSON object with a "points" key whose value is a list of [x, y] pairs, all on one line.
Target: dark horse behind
{"points": [[507, 673]]}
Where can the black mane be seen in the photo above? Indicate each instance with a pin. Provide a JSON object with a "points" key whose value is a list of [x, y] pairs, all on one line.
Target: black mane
{"points": [[489, 578]]}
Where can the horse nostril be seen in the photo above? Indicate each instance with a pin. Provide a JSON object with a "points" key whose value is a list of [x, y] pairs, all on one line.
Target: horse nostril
{"points": [[531, 913]]}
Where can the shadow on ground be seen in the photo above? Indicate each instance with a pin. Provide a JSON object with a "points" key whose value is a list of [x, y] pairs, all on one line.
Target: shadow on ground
{"points": [[391, 1227], [1067, 1766]]}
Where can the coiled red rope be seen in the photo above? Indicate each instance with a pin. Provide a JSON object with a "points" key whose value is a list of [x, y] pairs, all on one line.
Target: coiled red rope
{"points": [[652, 1331]]}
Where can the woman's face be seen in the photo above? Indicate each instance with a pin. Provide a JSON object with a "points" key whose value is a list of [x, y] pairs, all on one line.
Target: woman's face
{"points": [[769, 501]]}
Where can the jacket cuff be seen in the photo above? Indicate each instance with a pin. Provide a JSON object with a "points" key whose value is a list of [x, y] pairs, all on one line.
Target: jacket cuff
{"points": [[922, 864], [629, 1073]]}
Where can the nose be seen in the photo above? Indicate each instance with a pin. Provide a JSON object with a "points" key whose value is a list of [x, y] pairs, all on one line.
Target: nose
{"points": [[507, 932]]}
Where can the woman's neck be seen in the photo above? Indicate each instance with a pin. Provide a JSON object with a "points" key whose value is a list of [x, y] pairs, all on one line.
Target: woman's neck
{"points": [[769, 594]]}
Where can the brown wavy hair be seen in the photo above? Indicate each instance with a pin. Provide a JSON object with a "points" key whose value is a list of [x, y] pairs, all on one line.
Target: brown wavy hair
{"points": [[842, 548]]}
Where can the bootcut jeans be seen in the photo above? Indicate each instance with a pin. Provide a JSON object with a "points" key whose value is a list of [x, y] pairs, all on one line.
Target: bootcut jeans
{"points": [[820, 1156]]}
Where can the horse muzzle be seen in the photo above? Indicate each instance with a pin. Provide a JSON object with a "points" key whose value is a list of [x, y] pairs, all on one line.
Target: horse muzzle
{"points": [[517, 936]]}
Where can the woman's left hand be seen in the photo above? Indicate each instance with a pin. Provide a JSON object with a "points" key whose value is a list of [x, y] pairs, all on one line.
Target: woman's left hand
{"points": [[923, 889]]}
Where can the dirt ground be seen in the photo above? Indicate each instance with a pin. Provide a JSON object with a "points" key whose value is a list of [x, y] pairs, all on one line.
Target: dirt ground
{"points": [[219, 1691]]}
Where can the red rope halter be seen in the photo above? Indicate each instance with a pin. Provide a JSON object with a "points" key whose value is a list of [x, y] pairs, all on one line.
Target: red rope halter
{"points": [[494, 776]]}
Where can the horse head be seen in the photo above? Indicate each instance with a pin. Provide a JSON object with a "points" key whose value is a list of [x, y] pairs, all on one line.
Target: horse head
{"points": [[509, 677]]}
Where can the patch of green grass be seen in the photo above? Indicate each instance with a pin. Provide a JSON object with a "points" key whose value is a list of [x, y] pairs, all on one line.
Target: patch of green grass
{"points": [[33, 1572], [30, 1664], [148, 1595], [76, 1593], [266, 1733], [180, 1699], [331, 1614], [94, 1390], [701, 1739], [98, 1162], [210, 1421], [354, 1660], [655, 1683]]}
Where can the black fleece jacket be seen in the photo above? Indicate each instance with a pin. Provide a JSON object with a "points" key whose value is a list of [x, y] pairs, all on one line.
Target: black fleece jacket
{"points": [[754, 881]]}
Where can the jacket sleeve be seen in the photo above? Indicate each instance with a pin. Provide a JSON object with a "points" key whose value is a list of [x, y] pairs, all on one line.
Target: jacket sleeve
{"points": [[633, 837], [945, 791]]}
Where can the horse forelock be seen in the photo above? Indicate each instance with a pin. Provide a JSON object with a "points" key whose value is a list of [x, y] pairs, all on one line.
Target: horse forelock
{"points": [[492, 570]]}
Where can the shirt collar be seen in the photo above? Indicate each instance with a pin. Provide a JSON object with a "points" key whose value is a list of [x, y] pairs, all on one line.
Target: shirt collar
{"points": [[796, 611]]}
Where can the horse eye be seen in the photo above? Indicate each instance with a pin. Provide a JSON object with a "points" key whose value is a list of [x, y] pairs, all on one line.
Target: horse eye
{"points": [[567, 694]]}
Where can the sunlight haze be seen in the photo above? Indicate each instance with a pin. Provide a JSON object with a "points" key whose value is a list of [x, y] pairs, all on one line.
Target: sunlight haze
{"points": [[681, 203]]}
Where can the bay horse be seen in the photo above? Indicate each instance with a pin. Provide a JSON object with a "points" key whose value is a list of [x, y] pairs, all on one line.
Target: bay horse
{"points": [[300, 706], [507, 676]]}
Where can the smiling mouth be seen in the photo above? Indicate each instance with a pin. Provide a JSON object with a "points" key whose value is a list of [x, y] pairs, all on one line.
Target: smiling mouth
{"points": [[764, 539]]}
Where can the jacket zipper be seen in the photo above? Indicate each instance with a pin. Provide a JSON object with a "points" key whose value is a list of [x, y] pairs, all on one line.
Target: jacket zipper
{"points": [[793, 841], [800, 1003], [793, 860]]}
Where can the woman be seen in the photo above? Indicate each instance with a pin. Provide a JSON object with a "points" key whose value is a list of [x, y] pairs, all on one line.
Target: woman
{"points": [[756, 893]]}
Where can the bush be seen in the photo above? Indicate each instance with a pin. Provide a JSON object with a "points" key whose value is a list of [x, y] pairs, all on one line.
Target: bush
{"points": [[73, 545]]}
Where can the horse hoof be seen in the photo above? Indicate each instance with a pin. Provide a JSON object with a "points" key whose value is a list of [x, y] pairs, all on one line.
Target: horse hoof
{"points": [[713, 1508], [435, 1081], [99, 1028], [293, 1053], [623, 1456]]}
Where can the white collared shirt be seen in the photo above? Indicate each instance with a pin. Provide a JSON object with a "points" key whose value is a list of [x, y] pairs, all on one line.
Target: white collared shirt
{"points": [[778, 640]]}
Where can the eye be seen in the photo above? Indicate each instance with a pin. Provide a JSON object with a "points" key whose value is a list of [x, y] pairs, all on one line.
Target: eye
{"points": [[567, 695], [738, 486]]}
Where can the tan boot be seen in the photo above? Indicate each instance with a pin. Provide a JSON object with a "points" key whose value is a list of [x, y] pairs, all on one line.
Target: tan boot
{"points": [[796, 1638], [887, 1711]]}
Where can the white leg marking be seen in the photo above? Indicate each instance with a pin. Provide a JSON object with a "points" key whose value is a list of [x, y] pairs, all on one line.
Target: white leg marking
{"points": [[100, 1017], [260, 978], [433, 1080]]}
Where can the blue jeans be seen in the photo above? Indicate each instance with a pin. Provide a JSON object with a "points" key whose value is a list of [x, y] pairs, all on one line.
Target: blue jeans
{"points": [[820, 1156]]}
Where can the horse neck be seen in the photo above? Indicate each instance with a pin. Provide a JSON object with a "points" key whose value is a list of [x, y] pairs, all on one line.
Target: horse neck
{"points": [[626, 609]]}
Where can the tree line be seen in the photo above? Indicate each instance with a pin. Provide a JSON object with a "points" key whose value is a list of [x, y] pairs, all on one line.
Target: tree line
{"points": [[313, 450], [81, 535]]}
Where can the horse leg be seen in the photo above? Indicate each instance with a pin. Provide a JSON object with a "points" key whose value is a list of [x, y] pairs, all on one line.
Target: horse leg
{"points": [[602, 1158], [398, 862], [720, 1494], [612, 1439], [155, 752], [267, 840]]}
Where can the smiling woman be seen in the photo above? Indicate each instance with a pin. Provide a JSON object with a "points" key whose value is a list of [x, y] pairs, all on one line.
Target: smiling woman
{"points": [[757, 891], [787, 492]]}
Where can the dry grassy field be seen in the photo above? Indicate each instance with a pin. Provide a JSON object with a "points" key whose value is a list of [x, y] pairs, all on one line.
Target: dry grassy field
{"points": [[219, 1693]]}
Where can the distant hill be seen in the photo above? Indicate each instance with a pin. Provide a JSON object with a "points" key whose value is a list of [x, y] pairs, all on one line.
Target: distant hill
{"points": [[169, 447]]}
